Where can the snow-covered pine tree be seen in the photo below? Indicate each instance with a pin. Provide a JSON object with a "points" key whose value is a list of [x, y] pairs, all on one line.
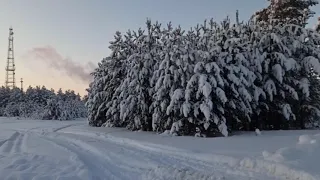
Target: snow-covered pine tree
{"points": [[107, 78], [60, 95], [26, 107], [239, 73], [15, 98], [305, 47], [85, 97], [65, 110], [213, 76], [4, 99], [71, 107], [170, 80], [70, 95], [37, 103], [284, 81], [287, 11], [317, 26], [180, 69], [160, 82], [117, 79], [52, 110], [80, 108], [97, 95], [288, 20], [204, 94], [136, 88], [255, 56], [312, 106]]}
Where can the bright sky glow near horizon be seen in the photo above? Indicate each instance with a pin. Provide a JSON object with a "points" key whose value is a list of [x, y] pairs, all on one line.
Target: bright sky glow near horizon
{"points": [[80, 30]]}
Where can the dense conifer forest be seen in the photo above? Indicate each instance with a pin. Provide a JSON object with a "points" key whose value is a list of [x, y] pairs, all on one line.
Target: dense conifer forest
{"points": [[41, 103], [214, 78]]}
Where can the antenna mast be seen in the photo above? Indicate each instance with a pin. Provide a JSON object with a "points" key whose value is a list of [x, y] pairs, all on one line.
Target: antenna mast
{"points": [[10, 69], [21, 81], [237, 17]]}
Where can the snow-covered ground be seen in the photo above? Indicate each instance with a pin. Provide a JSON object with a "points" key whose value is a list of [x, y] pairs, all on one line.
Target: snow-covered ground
{"points": [[70, 150]]}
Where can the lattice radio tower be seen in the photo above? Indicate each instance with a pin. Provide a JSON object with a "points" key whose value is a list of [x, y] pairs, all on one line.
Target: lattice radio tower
{"points": [[10, 69]]}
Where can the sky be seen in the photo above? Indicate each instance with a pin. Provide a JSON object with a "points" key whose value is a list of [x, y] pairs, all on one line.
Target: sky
{"points": [[57, 43]]}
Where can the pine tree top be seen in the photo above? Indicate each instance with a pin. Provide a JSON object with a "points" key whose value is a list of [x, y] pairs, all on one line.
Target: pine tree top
{"points": [[287, 11]]}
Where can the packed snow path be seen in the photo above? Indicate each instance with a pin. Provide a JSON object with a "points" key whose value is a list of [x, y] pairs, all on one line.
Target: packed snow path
{"points": [[67, 150]]}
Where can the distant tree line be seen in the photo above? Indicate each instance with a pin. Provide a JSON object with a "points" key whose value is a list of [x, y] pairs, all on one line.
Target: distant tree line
{"points": [[41, 103], [214, 78]]}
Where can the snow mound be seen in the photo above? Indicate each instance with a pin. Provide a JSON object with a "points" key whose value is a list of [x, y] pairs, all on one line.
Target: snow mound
{"points": [[171, 173], [166, 133], [306, 139], [303, 154], [258, 132], [285, 154], [304, 147], [276, 157], [275, 169]]}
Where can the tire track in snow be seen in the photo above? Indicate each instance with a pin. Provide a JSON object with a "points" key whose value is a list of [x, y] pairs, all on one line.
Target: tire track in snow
{"points": [[64, 127], [98, 167], [162, 158], [16, 143], [24, 146], [249, 165], [220, 170], [243, 167], [126, 158], [3, 142], [9, 144], [131, 160], [74, 156], [33, 163], [17, 146]]}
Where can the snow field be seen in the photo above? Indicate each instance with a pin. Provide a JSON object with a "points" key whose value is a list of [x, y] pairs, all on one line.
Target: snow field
{"points": [[72, 150], [264, 165], [247, 164], [170, 173]]}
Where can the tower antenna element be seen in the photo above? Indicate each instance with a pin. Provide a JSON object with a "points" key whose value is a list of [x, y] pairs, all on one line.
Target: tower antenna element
{"points": [[10, 69], [21, 81]]}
